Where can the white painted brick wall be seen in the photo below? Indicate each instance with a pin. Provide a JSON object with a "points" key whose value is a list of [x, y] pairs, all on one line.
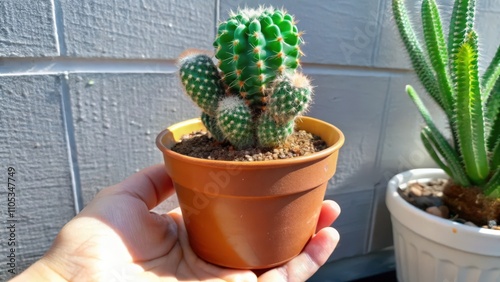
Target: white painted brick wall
{"points": [[27, 29], [33, 141], [136, 29], [85, 86]]}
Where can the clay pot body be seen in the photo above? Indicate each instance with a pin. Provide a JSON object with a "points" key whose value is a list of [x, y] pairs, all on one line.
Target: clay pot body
{"points": [[250, 215]]}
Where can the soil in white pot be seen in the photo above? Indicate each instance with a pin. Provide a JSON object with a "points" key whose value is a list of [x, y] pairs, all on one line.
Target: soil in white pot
{"points": [[434, 197], [471, 204]]}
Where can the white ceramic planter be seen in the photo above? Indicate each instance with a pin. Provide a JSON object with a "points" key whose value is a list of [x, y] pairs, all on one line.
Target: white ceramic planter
{"points": [[429, 248]]}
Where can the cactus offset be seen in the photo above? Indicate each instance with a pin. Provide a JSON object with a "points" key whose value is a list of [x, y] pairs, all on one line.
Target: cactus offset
{"points": [[290, 97], [269, 132], [210, 123], [256, 93], [201, 79], [235, 121]]}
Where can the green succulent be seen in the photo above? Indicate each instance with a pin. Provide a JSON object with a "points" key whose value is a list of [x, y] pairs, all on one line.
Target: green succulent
{"points": [[254, 94], [448, 70]]}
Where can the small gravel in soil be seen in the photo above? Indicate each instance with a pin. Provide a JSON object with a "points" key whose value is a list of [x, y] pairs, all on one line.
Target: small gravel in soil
{"points": [[201, 145], [427, 196]]}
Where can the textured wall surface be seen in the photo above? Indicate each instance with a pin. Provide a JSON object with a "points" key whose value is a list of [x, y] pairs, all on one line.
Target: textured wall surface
{"points": [[123, 113], [136, 29], [27, 29], [34, 144], [85, 87]]}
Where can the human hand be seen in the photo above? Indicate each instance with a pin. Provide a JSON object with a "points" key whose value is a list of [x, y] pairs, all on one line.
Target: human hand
{"points": [[116, 238]]}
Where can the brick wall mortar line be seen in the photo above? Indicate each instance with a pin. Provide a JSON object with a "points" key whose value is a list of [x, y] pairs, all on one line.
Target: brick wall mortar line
{"points": [[377, 163], [57, 14], [58, 65], [69, 131]]}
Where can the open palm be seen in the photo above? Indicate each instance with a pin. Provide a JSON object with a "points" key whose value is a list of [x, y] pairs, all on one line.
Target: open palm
{"points": [[117, 238]]}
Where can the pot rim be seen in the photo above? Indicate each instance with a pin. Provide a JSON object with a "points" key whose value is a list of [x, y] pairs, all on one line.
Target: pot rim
{"points": [[251, 165], [453, 234]]}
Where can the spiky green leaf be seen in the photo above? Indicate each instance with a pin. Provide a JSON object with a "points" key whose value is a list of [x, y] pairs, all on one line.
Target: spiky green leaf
{"points": [[461, 23], [439, 142], [436, 48], [494, 137], [495, 156], [493, 118], [490, 77], [492, 188], [417, 57], [469, 112], [425, 135]]}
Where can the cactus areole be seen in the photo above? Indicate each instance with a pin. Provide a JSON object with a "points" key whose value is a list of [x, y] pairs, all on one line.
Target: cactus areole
{"points": [[254, 94]]}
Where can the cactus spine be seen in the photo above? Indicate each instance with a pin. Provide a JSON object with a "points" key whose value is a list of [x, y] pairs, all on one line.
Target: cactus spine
{"points": [[255, 93]]}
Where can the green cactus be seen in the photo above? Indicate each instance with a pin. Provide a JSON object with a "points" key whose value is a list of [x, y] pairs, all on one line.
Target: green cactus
{"points": [[289, 97], [269, 131], [254, 95], [200, 77], [210, 123], [255, 46], [235, 121], [449, 72]]}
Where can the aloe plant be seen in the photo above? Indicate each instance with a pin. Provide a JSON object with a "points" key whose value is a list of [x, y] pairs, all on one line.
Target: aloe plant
{"points": [[254, 94], [448, 70]]}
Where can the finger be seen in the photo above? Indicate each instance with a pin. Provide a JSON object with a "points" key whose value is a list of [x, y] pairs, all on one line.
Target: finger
{"points": [[330, 211], [303, 266], [151, 185], [155, 237]]}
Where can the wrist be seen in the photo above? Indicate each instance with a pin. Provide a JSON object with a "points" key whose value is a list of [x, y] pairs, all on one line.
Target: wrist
{"points": [[41, 270]]}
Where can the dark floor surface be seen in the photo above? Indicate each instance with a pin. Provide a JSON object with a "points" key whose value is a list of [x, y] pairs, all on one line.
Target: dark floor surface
{"points": [[383, 277], [376, 266]]}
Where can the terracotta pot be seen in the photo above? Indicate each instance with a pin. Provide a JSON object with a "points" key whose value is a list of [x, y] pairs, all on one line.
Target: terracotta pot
{"points": [[250, 215], [430, 248]]}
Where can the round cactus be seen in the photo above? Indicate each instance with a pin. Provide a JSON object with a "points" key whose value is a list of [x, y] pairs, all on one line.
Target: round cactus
{"points": [[289, 98], [253, 47], [270, 133], [235, 121], [211, 124], [201, 79]]}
